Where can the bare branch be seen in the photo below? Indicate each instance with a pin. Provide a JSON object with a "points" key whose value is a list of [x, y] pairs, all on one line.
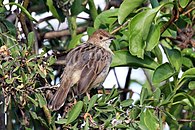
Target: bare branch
{"points": [[61, 33]]}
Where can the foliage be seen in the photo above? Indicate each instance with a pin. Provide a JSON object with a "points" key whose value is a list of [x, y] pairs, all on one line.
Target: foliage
{"points": [[145, 32]]}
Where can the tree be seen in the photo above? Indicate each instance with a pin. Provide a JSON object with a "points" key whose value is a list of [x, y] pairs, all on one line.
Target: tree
{"points": [[144, 30]]}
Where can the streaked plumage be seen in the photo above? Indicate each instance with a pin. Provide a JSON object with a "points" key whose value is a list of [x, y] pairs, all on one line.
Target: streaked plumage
{"points": [[87, 66]]}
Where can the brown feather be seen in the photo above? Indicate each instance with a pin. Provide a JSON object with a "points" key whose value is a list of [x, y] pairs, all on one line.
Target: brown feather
{"points": [[58, 99], [86, 66]]}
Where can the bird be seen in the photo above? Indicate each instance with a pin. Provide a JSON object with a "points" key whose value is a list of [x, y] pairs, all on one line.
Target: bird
{"points": [[87, 66]]}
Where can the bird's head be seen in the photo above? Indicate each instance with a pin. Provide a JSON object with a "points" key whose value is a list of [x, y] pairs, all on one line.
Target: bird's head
{"points": [[101, 38]]}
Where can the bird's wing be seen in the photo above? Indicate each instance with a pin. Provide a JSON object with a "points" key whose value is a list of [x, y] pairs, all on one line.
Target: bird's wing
{"points": [[97, 59]]}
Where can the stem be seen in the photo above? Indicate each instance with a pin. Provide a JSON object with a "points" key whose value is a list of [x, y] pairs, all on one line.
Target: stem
{"points": [[116, 78], [93, 10], [127, 81], [72, 25]]}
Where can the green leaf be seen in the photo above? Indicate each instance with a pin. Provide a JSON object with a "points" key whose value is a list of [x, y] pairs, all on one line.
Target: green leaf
{"points": [[9, 81], [174, 56], [187, 62], [51, 60], [52, 8], [189, 74], [124, 58], [126, 103], [158, 54], [134, 113], [87, 124], [33, 101], [139, 28], [14, 48], [34, 115], [61, 121], [170, 116], [192, 85], [23, 10], [114, 93], [26, 128], [74, 113], [75, 41], [92, 102], [77, 7], [143, 95], [153, 37], [168, 99], [150, 120], [105, 109], [41, 72], [126, 8], [42, 101], [163, 72], [106, 18], [157, 94], [183, 98], [183, 3], [10, 26], [31, 39]]}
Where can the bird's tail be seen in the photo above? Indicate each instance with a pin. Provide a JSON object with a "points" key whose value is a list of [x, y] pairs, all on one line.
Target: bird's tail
{"points": [[58, 100]]}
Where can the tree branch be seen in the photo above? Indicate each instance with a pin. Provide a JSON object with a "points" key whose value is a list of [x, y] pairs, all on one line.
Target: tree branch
{"points": [[61, 33]]}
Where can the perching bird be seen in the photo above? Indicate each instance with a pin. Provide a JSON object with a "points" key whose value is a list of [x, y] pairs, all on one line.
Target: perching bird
{"points": [[87, 66]]}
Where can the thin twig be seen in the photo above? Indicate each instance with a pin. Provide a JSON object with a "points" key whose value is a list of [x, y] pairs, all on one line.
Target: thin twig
{"points": [[55, 34], [186, 120], [118, 28], [190, 10], [48, 87], [116, 78], [148, 79]]}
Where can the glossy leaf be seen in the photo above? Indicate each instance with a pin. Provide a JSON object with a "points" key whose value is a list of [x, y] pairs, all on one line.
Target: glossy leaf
{"points": [[124, 58], [143, 95], [126, 103], [33, 101], [126, 8], [150, 120], [170, 115], [139, 28], [153, 37], [174, 56], [105, 109], [92, 102], [163, 72], [77, 7], [31, 39], [158, 54], [41, 99], [183, 3], [157, 94], [183, 98], [75, 111], [52, 8], [106, 17], [51, 60], [192, 85], [10, 27], [187, 63], [190, 73]]}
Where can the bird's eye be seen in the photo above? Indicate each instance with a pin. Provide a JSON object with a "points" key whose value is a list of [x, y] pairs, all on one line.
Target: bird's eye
{"points": [[101, 37]]}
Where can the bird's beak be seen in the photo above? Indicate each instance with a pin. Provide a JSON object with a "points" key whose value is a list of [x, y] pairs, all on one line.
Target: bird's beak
{"points": [[112, 37]]}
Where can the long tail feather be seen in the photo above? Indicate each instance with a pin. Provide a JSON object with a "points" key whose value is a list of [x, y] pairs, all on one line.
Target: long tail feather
{"points": [[59, 97]]}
